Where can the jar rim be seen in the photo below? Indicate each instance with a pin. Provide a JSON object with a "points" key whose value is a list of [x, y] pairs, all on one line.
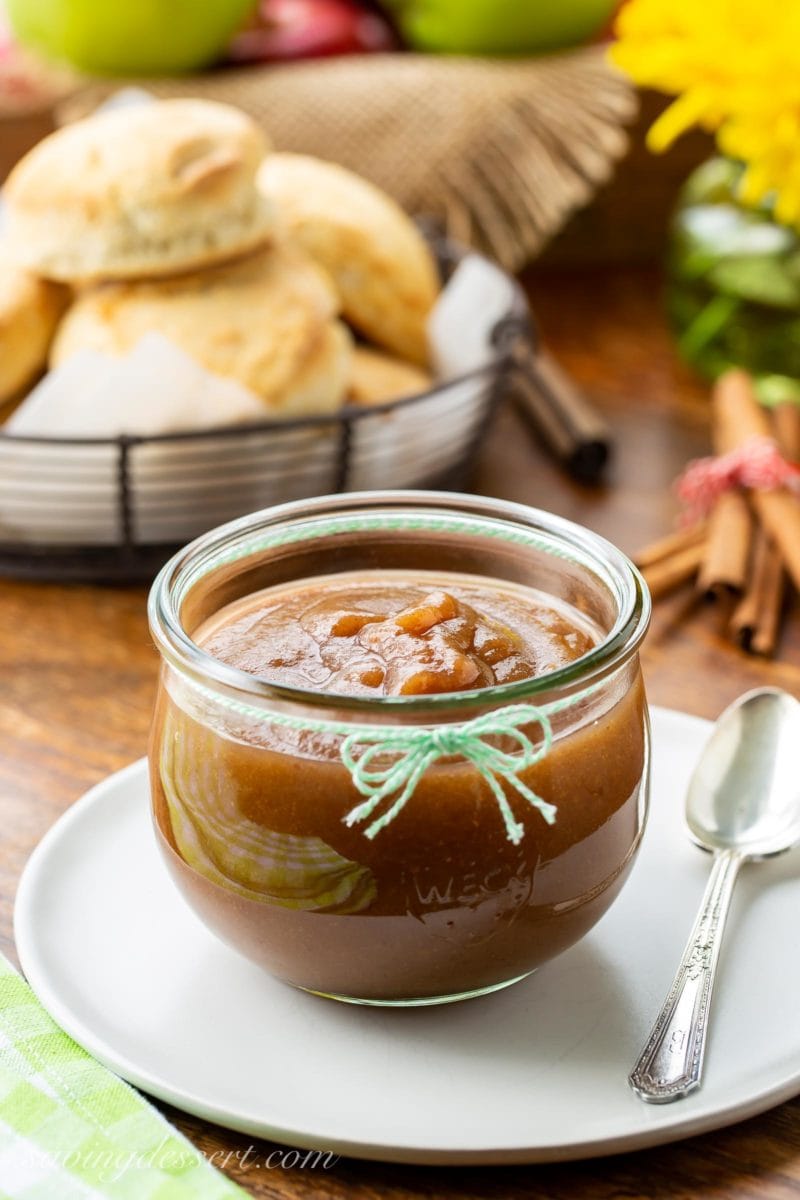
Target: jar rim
{"points": [[199, 557]]}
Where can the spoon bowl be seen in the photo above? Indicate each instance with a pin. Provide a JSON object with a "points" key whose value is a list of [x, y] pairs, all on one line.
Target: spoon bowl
{"points": [[744, 794], [743, 804]]}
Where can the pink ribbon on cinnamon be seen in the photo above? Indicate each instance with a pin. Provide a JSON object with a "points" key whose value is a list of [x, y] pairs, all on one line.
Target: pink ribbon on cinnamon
{"points": [[757, 464]]}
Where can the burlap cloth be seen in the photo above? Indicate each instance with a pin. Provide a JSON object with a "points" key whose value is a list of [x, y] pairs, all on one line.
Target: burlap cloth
{"points": [[501, 151]]}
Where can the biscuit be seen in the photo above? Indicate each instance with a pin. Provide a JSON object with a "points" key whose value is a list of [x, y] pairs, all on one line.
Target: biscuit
{"points": [[376, 378], [321, 384], [379, 261], [30, 309], [266, 321], [143, 190]]}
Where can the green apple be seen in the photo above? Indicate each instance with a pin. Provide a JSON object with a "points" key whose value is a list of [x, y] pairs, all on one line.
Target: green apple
{"points": [[497, 26], [128, 37]]}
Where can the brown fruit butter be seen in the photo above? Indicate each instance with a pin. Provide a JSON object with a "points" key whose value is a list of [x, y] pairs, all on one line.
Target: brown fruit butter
{"points": [[440, 902]]}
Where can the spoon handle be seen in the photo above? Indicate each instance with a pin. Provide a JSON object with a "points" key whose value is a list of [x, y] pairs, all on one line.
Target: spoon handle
{"points": [[671, 1064]]}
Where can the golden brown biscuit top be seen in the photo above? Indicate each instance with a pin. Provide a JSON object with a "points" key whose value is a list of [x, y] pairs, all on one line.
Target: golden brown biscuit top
{"points": [[19, 291], [143, 154], [278, 288], [308, 190], [262, 320], [383, 268], [376, 377], [30, 309]]}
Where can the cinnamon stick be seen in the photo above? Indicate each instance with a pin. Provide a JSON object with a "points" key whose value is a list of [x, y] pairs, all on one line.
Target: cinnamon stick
{"points": [[786, 424], [671, 544], [671, 572], [730, 527], [740, 416], [724, 565], [756, 618], [737, 414]]}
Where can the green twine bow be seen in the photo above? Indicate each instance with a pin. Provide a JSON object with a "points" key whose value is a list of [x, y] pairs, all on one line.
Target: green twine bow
{"points": [[419, 748]]}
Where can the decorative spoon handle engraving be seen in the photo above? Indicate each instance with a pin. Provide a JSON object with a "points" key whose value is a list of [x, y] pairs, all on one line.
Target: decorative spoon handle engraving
{"points": [[671, 1063]]}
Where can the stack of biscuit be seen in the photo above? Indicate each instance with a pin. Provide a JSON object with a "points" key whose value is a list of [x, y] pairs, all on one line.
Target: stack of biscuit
{"points": [[269, 269]]}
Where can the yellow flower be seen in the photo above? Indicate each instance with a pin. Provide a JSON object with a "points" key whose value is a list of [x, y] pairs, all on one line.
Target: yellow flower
{"points": [[735, 67]]}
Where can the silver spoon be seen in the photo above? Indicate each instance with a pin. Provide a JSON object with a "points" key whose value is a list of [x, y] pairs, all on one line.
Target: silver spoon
{"points": [[743, 804]]}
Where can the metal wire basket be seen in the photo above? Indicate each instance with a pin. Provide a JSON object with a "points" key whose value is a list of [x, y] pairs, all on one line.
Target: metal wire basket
{"points": [[114, 509]]}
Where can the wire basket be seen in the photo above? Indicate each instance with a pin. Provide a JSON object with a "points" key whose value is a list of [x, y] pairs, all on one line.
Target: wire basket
{"points": [[114, 509]]}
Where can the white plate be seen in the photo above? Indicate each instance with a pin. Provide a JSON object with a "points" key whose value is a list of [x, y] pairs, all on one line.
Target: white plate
{"points": [[531, 1074]]}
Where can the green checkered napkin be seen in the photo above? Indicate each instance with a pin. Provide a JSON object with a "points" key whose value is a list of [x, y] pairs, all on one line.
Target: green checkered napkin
{"points": [[70, 1130]]}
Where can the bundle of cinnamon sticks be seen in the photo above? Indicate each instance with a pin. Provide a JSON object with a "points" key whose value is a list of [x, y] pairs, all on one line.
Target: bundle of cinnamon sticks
{"points": [[748, 547]]}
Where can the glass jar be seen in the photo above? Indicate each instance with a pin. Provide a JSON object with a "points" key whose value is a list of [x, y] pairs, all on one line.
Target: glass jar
{"points": [[734, 283], [466, 887]]}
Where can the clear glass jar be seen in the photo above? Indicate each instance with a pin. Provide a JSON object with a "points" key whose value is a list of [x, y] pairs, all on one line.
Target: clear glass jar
{"points": [[450, 899], [734, 283]]}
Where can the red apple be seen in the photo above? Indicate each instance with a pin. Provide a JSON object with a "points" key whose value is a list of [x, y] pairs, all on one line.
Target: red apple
{"points": [[18, 84], [289, 29]]}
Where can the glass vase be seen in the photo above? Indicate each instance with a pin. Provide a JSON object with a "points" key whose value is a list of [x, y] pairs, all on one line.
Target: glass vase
{"points": [[734, 283]]}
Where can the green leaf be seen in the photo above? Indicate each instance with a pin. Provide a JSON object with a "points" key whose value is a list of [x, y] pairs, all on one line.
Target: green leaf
{"points": [[761, 279], [777, 389]]}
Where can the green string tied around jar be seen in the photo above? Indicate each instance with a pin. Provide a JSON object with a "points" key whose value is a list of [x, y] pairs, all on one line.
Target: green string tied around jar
{"points": [[418, 749]]}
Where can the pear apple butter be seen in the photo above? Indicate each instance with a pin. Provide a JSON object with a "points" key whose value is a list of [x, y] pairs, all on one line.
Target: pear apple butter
{"points": [[251, 809], [385, 635]]}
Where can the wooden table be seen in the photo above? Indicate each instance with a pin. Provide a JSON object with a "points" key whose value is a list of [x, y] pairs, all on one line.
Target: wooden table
{"points": [[77, 675]]}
